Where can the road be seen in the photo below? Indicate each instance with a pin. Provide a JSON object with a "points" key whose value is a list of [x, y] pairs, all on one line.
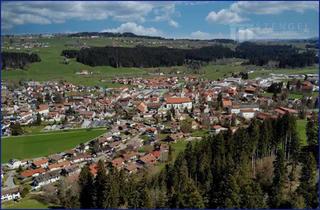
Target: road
{"points": [[9, 183]]}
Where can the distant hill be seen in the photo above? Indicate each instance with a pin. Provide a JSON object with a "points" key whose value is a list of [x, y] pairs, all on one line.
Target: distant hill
{"points": [[129, 34]]}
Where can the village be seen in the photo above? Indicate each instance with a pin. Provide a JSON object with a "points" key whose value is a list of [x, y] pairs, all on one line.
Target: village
{"points": [[141, 119]]}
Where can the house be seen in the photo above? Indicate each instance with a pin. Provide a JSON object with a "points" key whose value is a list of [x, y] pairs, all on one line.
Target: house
{"points": [[10, 194], [148, 159], [306, 86], [288, 110], [80, 158], [14, 164], [43, 109], [178, 103], [57, 166], [226, 103], [129, 156], [142, 107], [93, 169], [118, 162], [218, 128], [131, 168], [40, 163], [156, 154], [45, 179], [247, 113], [32, 172]]}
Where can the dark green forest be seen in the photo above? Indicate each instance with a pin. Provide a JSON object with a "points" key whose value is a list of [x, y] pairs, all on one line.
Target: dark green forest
{"points": [[18, 59], [282, 56], [218, 172]]}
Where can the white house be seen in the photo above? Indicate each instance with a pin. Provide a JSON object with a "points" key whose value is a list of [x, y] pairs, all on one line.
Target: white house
{"points": [[218, 128], [45, 179], [247, 113], [14, 164], [178, 103], [10, 194]]}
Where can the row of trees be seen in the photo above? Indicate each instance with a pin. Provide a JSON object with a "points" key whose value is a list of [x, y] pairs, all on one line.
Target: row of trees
{"points": [[146, 56], [218, 172], [282, 55], [18, 59]]}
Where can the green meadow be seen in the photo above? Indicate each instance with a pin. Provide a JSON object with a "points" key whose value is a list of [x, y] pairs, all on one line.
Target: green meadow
{"points": [[32, 146]]}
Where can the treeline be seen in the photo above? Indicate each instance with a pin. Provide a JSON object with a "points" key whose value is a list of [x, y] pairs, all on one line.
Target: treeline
{"points": [[70, 53], [283, 55], [18, 60], [146, 56], [218, 172], [110, 34], [132, 35]]}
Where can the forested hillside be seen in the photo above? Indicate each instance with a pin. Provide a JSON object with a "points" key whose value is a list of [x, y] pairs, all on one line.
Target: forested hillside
{"points": [[223, 171], [281, 56], [18, 59]]}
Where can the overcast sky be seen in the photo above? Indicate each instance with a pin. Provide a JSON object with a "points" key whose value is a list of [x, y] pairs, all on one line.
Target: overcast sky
{"points": [[201, 20]]}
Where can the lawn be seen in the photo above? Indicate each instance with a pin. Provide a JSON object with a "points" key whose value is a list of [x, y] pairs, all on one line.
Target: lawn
{"points": [[301, 127], [32, 146], [25, 203]]}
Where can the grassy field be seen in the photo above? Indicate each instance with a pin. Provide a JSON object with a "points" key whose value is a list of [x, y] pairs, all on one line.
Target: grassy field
{"points": [[264, 72], [301, 127], [32, 146], [25, 203], [51, 67]]}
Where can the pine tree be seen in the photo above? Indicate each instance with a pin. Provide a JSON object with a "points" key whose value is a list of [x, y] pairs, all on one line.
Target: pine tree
{"points": [[87, 188], [276, 195], [101, 186], [312, 130], [308, 186]]}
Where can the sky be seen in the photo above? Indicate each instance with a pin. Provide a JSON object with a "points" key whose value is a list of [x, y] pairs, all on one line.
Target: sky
{"points": [[197, 20]]}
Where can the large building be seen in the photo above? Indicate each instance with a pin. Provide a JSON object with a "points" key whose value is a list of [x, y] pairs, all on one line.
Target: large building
{"points": [[178, 103]]}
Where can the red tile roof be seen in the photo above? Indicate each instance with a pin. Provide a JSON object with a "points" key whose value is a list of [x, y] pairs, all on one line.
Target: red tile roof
{"points": [[31, 172], [156, 154], [117, 162], [177, 100], [59, 165], [148, 159], [93, 169], [40, 162]]}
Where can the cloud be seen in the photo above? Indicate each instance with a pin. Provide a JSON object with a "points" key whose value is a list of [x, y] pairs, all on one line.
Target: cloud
{"points": [[205, 35], [274, 7], [236, 12], [19, 13], [165, 13], [173, 23], [225, 16], [134, 28], [268, 33]]}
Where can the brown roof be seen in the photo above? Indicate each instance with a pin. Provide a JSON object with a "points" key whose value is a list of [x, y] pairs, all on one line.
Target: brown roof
{"points": [[40, 162], [131, 167], [59, 165], [288, 110], [148, 159], [31, 172], [177, 100], [226, 103], [117, 162], [93, 169], [142, 107], [129, 155]]}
